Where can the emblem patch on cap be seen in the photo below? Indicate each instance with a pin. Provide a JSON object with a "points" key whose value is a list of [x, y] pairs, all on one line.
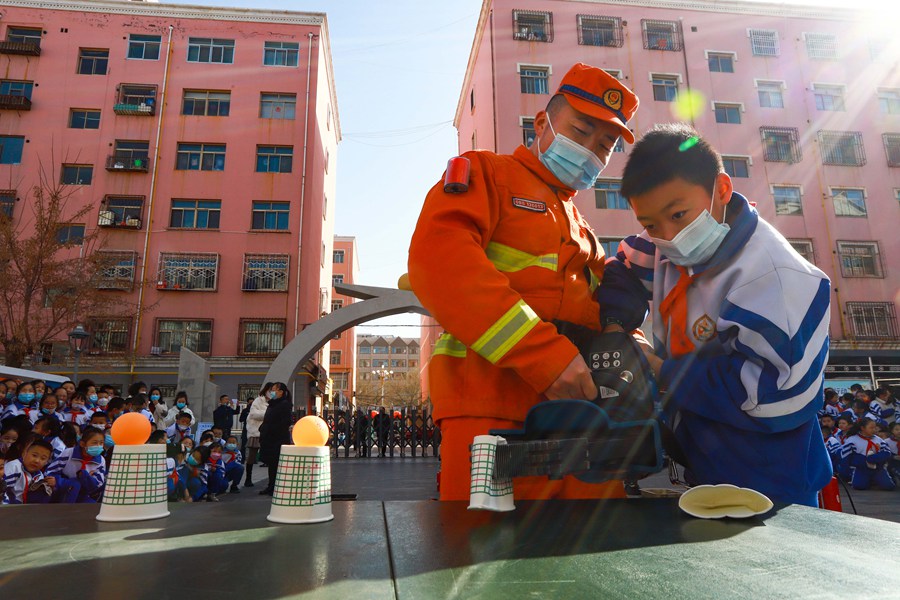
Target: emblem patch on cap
{"points": [[704, 328], [532, 205], [613, 99]]}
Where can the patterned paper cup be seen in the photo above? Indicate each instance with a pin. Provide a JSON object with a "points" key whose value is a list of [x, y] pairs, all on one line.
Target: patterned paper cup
{"points": [[485, 491], [136, 484], [302, 486]]}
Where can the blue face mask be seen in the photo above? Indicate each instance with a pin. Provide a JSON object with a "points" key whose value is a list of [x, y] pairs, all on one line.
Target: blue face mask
{"points": [[109, 441], [94, 450], [272, 395], [154, 397], [696, 243], [230, 446], [92, 398], [573, 164], [180, 404], [47, 411], [26, 398], [191, 461]]}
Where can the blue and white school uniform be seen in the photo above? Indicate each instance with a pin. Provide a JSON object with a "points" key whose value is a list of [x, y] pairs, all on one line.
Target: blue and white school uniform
{"points": [[884, 413], [13, 409], [18, 481], [833, 445], [216, 481], [832, 410], [867, 459], [195, 479], [88, 471], [79, 417], [743, 404], [149, 415], [234, 469], [176, 434]]}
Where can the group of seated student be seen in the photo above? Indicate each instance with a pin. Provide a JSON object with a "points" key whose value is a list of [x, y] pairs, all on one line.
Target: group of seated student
{"points": [[204, 470], [861, 433]]}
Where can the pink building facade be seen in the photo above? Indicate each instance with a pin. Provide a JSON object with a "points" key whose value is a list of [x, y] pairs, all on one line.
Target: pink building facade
{"points": [[803, 102], [205, 140], [342, 357]]}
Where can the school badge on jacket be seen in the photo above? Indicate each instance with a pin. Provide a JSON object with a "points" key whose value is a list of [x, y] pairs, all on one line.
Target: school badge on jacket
{"points": [[704, 328]]}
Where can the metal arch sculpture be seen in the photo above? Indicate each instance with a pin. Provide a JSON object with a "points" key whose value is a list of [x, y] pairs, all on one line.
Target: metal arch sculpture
{"points": [[376, 302]]}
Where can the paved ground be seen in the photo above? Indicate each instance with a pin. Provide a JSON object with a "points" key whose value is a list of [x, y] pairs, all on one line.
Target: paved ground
{"points": [[414, 479]]}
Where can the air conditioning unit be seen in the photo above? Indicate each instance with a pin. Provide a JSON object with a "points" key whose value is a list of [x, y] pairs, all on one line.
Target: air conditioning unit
{"points": [[155, 350]]}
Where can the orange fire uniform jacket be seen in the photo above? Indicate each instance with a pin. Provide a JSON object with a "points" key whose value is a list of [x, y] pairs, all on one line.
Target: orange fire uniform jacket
{"points": [[494, 265]]}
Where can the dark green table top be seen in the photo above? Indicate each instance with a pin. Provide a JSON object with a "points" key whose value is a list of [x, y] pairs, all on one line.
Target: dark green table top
{"points": [[641, 548]]}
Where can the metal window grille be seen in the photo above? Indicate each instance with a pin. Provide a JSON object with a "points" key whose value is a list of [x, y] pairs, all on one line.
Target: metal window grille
{"points": [[829, 97], [600, 31], [665, 89], [261, 338], [200, 157], [534, 80], [110, 335], [721, 63], [781, 144], [266, 272], [661, 35], [842, 148], [182, 271], [206, 103], [728, 113], [787, 200], [889, 101], [274, 159], [210, 50], [172, 335], [892, 148], [118, 273], [136, 95], [764, 42], [247, 392], [532, 25], [873, 320], [281, 54], [849, 202], [607, 194], [121, 211], [821, 45], [277, 106], [144, 47], [129, 156], [7, 203], [770, 95], [860, 259], [805, 249], [736, 167]]}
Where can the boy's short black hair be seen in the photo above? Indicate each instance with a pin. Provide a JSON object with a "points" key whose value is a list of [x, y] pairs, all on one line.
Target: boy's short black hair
{"points": [[115, 403], [670, 151], [182, 415], [156, 436], [206, 435], [40, 443]]}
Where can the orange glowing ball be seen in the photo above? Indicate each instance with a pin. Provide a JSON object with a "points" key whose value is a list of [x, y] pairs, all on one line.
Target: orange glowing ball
{"points": [[130, 429], [310, 431]]}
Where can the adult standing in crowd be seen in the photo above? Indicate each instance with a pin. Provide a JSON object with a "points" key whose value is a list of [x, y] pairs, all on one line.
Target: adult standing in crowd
{"points": [[382, 426], [275, 430], [253, 421]]}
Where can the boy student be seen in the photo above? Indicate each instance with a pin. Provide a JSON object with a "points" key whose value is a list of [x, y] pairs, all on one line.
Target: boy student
{"points": [[740, 321]]}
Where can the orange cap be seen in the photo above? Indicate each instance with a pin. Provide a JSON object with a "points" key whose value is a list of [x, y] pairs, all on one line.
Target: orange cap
{"points": [[595, 92]]}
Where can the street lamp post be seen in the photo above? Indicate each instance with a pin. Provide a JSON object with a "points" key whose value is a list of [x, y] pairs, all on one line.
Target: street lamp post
{"points": [[77, 339], [383, 375]]}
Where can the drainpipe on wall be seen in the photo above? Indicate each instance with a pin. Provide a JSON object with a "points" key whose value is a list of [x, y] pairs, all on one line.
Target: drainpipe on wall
{"points": [[303, 185]]}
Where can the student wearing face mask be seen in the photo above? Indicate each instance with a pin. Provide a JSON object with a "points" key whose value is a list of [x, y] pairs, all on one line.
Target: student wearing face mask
{"points": [[181, 406], [499, 262], [740, 321]]}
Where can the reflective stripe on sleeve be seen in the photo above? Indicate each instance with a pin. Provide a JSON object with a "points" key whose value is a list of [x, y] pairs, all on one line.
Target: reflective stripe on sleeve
{"points": [[449, 346], [595, 281], [508, 259], [506, 332]]}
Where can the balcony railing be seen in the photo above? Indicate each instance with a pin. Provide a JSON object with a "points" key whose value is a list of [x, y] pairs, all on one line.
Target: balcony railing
{"points": [[141, 109], [21, 48], [128, 162], [14, 102], [109, 218]]}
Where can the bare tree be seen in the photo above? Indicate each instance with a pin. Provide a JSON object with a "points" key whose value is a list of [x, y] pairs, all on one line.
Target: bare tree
{"points": [[401, 389]]}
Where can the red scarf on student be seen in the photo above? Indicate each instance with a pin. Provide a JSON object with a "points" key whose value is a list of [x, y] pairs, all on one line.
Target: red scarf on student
{"points": [[673, 310]]}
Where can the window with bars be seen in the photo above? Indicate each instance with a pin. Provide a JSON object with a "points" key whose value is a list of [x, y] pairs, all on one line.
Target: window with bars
{"points": [[84, 119], [781, 144], [860, 259], [727, 113], [771, 94], [210, 50], [337, 257], [665, 87], [736, 166], [195, 214], [277, 106], [274, 159], [829, 97], [247, 392], [261, 337], [821, 45], [661, 35], [607, 194], [184, 271], [200, 157], [118, 271], [206, 103], [842, 148], [121, 211], [172, 335], [764, 42], [281, 54], [109, 336], [849, 202], [335, 358], [130, 156], [892, 148], [337, 305], [136, 99], [534, 80], [270, 216], [720, 62], [873, 320], [889, 101], [805, 249], [528, 133], [92, 62], [7, 203], [600, 31], [266, 272], [787, 200], [144, 47], [532, 26]]}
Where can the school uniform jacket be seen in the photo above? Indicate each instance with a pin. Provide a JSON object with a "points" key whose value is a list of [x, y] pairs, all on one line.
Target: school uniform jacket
{"points": [[883, 412], [17, 482], [175, 434], [859, 450], [72, 463], [743, 404], [79, 417]]}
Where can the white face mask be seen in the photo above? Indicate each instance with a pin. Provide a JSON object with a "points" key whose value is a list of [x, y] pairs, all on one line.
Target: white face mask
{"points": [[696, 243], [573, 164]]}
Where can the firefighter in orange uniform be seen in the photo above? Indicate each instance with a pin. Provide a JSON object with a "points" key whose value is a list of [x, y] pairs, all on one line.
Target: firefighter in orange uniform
{"points": [[497, 264]]}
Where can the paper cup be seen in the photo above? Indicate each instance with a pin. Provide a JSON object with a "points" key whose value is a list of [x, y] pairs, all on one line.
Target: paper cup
{"points": [[136, 484], [302, 486], [487, 492]]}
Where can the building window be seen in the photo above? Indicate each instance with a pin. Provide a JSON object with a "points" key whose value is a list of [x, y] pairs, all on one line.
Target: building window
{"points": [[528, 133], [607, 194], [873, 320], [379, 350], [849, 202], [77, 174], [829, 97], [821, 45], [206, 103], [727, 113], [721, 62], [281, 54], [842, 148], [261, 338], [121, 211], [661, 35], [771, 94], [266, 272], [337, 305], [195, 214], [619, 145], [92, 62], [337, 257], [132, 156], [7, 203], [534, 80], [118, 271], [136, 99], [889, 101], [763, 42], [600, 31], [277, 106], [71, 234], [805, 249], [860, 259], [144, 47], [335, 358], [781, 144], [736, 166], [787, 200], [210, 50], [610, 246], [270, 216], [109, 336], [16, 88], [337, 279], [200, 157], [532, 26], [665, 87], [365, 349], [11, 149], [24, 35], [274, 159], [892, 148], [181, 271], [84, 119], [172, 336]]}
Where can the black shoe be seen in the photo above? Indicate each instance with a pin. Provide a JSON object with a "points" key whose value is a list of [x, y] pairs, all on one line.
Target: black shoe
{"points": [[234, 489], [632, 489], [248, 484], [266, 492]]}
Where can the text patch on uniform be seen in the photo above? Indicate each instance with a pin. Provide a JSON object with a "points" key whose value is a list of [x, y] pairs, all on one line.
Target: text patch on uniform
{"points": [[533, 205]]}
